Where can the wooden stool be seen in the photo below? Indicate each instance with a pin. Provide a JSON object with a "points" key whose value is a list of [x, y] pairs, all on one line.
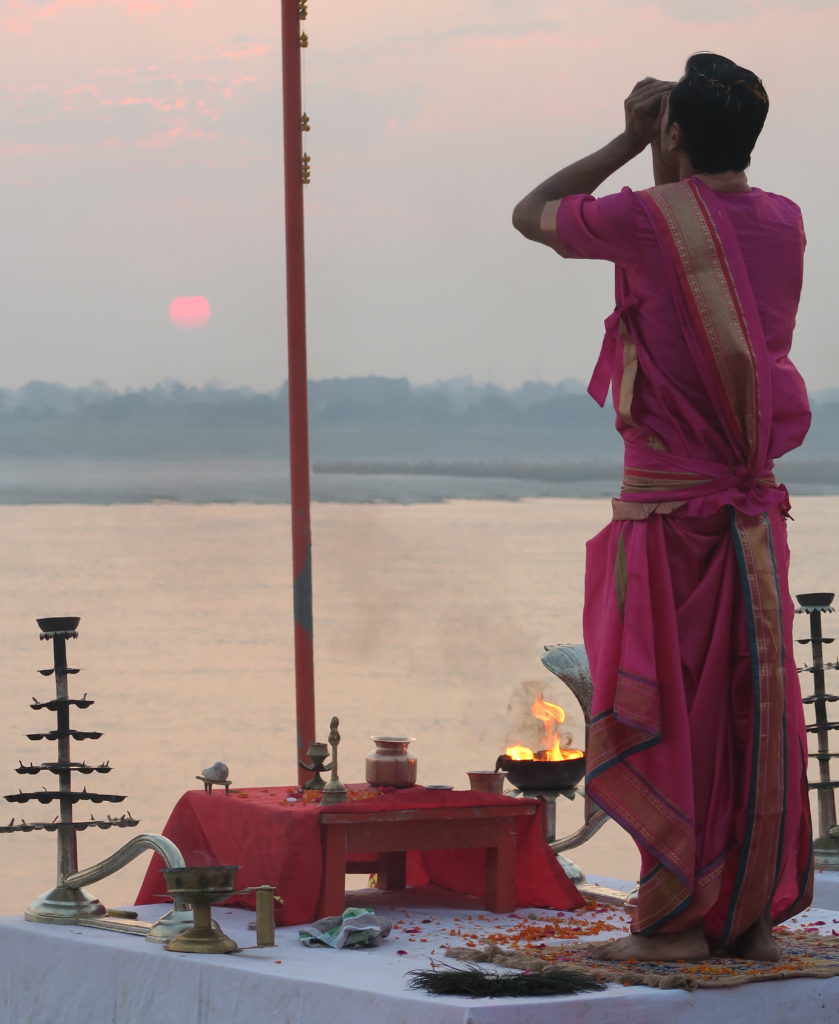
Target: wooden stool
{"points": [[390, 834]]}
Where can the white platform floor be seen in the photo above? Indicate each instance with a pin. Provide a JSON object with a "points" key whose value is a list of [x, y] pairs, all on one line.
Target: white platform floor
{"points": [[70, 975]]}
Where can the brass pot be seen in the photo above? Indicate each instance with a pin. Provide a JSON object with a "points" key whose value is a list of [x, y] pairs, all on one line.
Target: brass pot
{"points": [[388, 764]]}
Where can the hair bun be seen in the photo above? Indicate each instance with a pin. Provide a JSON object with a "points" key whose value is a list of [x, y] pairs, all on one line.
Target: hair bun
{"points": [[712, 71]]}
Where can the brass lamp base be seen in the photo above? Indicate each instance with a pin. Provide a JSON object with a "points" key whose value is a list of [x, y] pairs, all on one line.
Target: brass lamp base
{"points": [[826, 850], [64, 905], [202, 940]]}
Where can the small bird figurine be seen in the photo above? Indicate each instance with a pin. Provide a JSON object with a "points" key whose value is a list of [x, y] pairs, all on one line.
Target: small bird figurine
{"points": [[215, 776]]}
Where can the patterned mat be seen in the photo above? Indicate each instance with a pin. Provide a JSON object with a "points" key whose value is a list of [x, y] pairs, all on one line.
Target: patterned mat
{"points": [[802, 956]]}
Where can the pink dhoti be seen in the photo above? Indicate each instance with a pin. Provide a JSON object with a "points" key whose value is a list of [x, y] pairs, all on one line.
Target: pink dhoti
{"points": [[697, 745]]}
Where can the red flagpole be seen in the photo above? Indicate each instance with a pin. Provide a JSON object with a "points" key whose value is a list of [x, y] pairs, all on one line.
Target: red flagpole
{"points": [[293, 11]]}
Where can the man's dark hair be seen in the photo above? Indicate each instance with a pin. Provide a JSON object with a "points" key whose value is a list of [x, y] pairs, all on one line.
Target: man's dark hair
{"points": [[721, 108]]}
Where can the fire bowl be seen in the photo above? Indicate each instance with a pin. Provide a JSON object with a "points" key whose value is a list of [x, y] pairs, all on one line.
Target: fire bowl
{"points": [[59, 624], [820, 600], [544, 775], [196, 879]]}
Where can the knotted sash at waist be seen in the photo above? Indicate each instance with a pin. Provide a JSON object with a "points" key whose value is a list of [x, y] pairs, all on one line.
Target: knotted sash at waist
{"points": [[660, 483]]}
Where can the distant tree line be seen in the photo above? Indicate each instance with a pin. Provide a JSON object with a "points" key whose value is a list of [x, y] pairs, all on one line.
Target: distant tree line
{"points": [[352, 420], [332, 400]]}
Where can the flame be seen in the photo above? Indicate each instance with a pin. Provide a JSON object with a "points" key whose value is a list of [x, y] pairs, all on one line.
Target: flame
{"points": [[551, 716], [519, 753]]}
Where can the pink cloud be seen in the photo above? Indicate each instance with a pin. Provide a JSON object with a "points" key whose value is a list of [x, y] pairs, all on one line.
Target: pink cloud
{"points": [[24, 16], [140, 9], [34, 148], [16, 28], [246, 50], [23, 148], [161, 140], [180, 129], [74, 90]]}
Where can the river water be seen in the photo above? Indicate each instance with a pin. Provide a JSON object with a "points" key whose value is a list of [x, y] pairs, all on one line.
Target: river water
{"points": [[429, 621]]}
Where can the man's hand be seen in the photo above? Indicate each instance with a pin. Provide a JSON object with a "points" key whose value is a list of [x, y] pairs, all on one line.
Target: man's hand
{"points": [[644, 109]]}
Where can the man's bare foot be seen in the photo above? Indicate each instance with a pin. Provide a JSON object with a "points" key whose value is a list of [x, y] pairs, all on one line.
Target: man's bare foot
{"points": [[689, 945], [756, 943]]}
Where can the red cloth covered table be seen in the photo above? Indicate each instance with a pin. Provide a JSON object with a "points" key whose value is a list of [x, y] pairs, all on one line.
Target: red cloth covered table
{"points": [[282, 844]]}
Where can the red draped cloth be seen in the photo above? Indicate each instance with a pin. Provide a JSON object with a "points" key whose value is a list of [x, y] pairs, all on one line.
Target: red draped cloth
{"points": [[697, 744], [278, 843]]}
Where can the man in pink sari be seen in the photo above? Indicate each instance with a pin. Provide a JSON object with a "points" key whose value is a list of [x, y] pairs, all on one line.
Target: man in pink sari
{"points": [[697, 744]]}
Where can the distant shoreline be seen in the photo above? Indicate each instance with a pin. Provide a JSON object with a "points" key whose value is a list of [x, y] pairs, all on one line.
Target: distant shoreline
{"points": [[115, 480], [823, 472]]}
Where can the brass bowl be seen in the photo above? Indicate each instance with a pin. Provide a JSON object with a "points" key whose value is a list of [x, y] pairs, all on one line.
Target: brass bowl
{"points": [[204, 878], [59, 624], [545, 775], [819, 600]]}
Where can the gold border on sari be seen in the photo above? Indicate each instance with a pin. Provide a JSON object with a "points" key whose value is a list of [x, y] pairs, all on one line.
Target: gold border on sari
{"points": [[547, 228], [629, 373], [756, 875], [716, 302]]}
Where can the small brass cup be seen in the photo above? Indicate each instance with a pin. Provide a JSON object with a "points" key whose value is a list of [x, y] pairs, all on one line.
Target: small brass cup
{"points": [[487, 781]]}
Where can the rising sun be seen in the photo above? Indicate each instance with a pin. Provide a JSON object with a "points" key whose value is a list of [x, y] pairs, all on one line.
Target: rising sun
{"points": [[190, 311]]}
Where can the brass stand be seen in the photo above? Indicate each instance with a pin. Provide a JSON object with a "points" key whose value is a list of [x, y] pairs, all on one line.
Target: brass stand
{"points": [[317, 753], [205, 936], [68, 902], [826, 846], [334, 792], [201, 887]]}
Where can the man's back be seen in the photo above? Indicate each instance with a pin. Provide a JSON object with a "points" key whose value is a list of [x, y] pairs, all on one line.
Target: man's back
{"points": [[667, 387]]}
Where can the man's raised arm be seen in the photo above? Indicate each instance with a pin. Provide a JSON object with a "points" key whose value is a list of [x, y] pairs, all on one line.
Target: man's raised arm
{"points": [[644, 109]]}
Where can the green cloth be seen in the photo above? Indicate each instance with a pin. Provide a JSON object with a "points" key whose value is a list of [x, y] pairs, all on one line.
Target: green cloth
{"points": [[355, 928]]}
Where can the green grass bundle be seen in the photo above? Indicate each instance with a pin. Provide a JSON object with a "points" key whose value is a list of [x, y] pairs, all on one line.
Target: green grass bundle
{"points": [[473, 981]]}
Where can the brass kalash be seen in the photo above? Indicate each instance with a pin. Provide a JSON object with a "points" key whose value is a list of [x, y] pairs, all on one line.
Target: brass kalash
{"points": [[68, 903]]}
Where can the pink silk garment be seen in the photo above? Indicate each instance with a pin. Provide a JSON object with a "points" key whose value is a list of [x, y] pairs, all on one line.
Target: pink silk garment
{"points": [[697, 743]]}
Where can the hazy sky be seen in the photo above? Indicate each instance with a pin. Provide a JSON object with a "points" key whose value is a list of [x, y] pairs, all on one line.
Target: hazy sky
{"points": [[140, 160]]}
